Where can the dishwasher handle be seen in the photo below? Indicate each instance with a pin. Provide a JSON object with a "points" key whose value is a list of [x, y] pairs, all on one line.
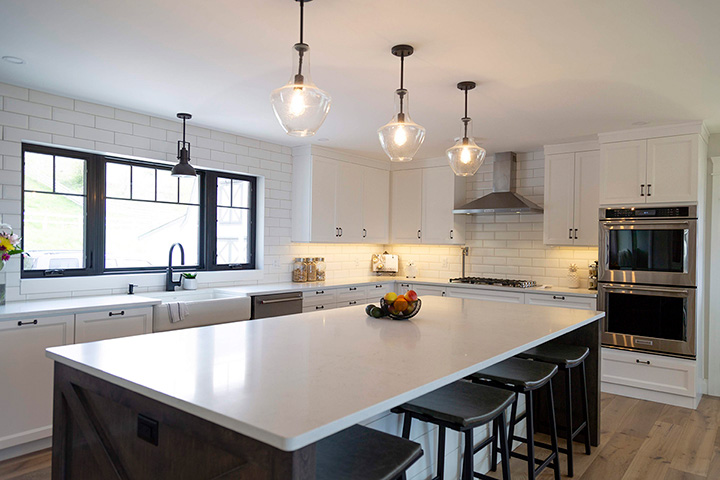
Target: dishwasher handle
{"points": [[279, 300]]}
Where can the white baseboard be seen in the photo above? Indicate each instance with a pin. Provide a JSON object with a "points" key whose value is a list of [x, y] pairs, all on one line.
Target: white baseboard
{"points": [[25, 448], [650, 395]]}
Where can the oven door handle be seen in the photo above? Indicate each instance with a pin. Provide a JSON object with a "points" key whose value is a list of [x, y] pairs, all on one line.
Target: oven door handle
{"points": [[664, 225], [680, 292]]}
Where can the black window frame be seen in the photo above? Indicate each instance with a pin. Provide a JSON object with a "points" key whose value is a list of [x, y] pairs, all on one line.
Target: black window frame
{"points": [[95, 217]]}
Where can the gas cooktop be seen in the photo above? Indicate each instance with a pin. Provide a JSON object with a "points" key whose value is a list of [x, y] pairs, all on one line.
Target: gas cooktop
{"points": [[500, 282]]}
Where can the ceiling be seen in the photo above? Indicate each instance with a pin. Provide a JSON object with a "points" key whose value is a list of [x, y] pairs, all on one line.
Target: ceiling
{"points": [[548, 72]]}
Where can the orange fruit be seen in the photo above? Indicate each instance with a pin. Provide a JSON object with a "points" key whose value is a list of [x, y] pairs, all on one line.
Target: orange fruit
{"points": [[400, 304]]}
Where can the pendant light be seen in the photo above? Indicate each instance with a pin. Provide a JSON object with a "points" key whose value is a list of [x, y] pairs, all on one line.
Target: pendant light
{"points": [[300, 106], [465, 157], [183, 168], [401, 137]]}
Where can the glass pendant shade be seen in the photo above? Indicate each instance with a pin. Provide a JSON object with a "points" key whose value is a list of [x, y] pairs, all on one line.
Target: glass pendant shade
{"points": [[300, 106], [465, 157], [401, 137]]}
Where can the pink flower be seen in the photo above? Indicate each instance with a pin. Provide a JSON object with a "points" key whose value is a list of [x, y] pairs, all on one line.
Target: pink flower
{"points": [[5, 257], [2, 248]]}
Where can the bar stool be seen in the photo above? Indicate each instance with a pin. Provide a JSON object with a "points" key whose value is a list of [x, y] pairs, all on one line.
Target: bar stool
{"points": [[525, 376], [567, 357], [361, 453], [462, 406]]}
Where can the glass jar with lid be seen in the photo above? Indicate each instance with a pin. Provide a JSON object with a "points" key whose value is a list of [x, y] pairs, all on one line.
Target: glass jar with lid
{"points": [[311, 268], [299, 271], [320, 268]]}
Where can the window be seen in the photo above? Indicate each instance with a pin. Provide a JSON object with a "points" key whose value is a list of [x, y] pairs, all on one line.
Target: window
{"points": [[86, 214]]}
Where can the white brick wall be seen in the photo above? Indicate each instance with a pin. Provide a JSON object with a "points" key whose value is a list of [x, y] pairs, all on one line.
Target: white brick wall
{"points": [[502, 245]]}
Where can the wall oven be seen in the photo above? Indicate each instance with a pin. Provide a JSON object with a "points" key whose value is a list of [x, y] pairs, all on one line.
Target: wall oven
{"points": [[642, 317], [646, 279], [653, 246]]}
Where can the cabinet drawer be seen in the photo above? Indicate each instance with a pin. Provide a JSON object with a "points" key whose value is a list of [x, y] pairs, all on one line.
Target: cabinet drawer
{"points": [[115, 323], [319, 307], [319, 297], [378, 290], [490, 295], [351, 303], [424, 290], [650, 372], [358, 295], [561, 300]]}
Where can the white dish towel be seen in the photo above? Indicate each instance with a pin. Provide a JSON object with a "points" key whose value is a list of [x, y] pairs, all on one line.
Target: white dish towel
{"points": [[177, 311]]}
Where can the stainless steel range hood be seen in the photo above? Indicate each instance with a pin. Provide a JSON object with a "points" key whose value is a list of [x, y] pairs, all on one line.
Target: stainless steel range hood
{"points": [[503, 198]]}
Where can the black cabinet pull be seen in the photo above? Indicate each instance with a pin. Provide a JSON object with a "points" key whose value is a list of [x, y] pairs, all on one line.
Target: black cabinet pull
{"points": [[556, 297], [576, 234], [319, 307], [570, 233], [340, 231], [451, 234], [649, 194], [644, 362], [113, 314], [320, 292], [20, 323], [418, 233], [352, 289], [378, 286], [364, 233], [642, 190], [353, 302]]}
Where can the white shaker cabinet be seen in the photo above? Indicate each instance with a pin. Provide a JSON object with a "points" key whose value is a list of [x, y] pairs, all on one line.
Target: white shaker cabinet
{"points": [[571, 196], [26, 376], [313, 206], [115, 323], [348, 199], [662, 170], [376, 205], [406, 190], [422, 203]]}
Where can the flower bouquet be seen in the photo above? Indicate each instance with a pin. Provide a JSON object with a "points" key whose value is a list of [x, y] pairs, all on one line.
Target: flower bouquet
{"points": [[9, 243]]}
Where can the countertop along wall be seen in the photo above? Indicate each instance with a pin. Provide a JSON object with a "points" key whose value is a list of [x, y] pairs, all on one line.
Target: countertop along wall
{"points": [[505, 246]]}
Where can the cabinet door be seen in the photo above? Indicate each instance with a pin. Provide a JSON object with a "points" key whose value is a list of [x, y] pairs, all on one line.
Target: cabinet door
{"points": [[559, 199], [323, 223], [376, 205], [406, 205], [623, 172], [26, 376], [116, 323], [587, 198], [348, 198], [672, 169], [561, 300], [438, 220]]}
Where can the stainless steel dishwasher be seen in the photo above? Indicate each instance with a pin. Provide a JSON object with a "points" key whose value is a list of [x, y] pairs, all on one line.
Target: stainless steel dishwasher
{"points": [[276, 304]]}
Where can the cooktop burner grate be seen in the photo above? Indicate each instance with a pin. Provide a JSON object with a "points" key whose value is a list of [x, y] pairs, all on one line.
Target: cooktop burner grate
{"points": [[501, 282]]}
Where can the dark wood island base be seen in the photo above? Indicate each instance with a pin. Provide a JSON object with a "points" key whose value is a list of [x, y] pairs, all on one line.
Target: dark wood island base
{"points": [[97, 430]]}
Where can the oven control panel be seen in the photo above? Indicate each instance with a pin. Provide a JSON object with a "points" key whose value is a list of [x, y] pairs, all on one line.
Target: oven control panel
{"points": [[644, 212]]}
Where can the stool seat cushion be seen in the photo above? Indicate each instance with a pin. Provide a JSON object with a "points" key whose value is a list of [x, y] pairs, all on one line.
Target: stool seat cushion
{"points": [[565, 356], [361, 453], [519, 373], [462, 403]]}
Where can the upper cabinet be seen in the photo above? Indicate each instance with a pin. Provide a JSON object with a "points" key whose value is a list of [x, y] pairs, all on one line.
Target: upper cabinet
{"points": [[338, 202], [663, 168], [571, 194], [422, 206]]}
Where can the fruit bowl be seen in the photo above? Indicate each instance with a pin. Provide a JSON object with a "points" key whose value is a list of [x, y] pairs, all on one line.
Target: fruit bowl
{"points": [[404, 315]]}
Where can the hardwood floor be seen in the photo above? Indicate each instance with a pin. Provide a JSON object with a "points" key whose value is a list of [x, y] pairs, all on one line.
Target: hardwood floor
{"points": [[640, 441]]}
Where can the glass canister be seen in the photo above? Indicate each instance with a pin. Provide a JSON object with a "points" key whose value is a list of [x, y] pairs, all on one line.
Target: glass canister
{"points": [[311, 268], [299, 272], [320, 268]]}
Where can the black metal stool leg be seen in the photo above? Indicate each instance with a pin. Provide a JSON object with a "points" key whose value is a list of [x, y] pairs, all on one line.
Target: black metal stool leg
{"points": [[569, 420], [504, 448], [585, 409], [407, 423], [494, 451], [468, 468], [513, 421], [441, 454], [530, 427], [553, 433]]}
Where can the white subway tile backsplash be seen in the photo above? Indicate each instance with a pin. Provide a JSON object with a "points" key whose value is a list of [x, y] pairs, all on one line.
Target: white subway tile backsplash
{"points": [[51, 126], [13, 119], [12, 91], [113, 125], [27, 108], [89, 133], [50, 99], [94, 109], [71, 116], [18, 135], [132, 117]]}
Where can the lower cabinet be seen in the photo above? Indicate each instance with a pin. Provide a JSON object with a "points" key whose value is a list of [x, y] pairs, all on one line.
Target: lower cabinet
{"points": [[431, 290], [116, 323], [491, 295], [26, 376], [561, 300]]}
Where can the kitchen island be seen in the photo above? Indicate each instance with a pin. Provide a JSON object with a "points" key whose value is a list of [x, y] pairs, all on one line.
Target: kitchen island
{"points": [[250, 399]]}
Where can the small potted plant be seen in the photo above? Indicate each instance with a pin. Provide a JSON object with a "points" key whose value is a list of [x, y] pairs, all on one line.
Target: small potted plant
{"points": [[189, 281]]}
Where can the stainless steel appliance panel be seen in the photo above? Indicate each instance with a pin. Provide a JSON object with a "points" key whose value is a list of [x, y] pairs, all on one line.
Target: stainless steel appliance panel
{"points": [[658, 252], [655, 319], [276, 304]]}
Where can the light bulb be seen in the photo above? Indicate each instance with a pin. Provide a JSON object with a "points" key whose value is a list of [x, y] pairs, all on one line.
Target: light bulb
{"points": [[465, 156], [400, 136], [297, 102]]}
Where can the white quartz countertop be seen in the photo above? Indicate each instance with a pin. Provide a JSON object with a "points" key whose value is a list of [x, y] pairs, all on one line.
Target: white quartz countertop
{"points": [[269, 288], [15, 310], [291, 381]]}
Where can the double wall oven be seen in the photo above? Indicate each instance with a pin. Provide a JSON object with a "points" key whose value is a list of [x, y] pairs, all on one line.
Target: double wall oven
{"points": [[647, 281]]}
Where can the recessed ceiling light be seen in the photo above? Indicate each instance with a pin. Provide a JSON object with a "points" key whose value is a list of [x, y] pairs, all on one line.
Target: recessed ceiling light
{"points": [[640, 123], [13, 60], [324, 139]]}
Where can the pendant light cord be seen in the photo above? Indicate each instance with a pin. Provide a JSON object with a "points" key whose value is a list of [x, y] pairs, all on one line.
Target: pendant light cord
{"points": [[184, 142], [402, 82], [465, 119], [302, 31]]}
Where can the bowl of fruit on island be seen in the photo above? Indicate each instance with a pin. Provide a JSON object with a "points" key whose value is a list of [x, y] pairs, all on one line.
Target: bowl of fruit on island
{"points": [[397, 307]]}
